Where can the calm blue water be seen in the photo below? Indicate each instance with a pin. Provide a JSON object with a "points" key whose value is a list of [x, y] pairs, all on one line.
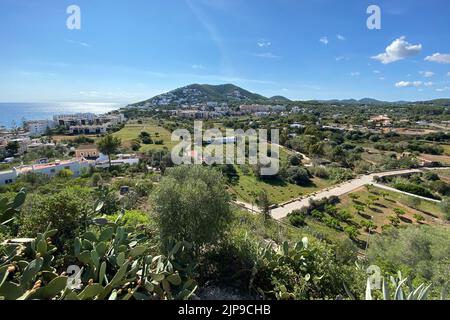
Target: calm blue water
{"points": [[17, 112]]}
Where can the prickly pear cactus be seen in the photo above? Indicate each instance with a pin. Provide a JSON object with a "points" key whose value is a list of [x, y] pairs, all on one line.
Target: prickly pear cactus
{"points": [[8, 209], [112, 264]]}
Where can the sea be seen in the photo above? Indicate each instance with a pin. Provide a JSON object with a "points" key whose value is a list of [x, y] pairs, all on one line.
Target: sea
{"points": [[13, 114]]}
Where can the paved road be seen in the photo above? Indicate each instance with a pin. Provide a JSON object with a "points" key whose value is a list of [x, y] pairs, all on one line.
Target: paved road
{"points": [[248, 206], [339, 190]]}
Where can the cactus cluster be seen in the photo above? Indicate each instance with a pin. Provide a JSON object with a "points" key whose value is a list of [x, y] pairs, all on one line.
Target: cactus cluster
{"points": [[111, 264], [9, 208], [280, 258]]}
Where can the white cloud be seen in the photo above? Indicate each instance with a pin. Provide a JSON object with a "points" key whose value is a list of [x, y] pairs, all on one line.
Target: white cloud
{"points": [[267, 55], [376, 71], [448, 74], [427, 74], [341, 37], [198, 67], [382, 78], [355, 74], [324, 40], [439, 58], [84, 44], [416, 84], [399, 49], [263, 44], [443, 89], [408, 84], [342, 58]]}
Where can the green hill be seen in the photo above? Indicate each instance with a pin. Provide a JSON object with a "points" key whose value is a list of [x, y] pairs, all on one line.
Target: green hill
{"points": [[201, 93]]}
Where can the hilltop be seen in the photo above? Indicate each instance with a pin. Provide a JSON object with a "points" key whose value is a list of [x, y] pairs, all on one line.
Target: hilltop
{"points": [[230, 93], [201, 93]]}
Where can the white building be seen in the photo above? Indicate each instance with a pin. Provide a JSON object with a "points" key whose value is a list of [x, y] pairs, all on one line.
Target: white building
{"points": [[88, 129], [49, 169], [122, 159], [7, 177], [37, 128]]}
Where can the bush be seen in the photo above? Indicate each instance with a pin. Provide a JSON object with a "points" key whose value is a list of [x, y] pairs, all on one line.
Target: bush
{"points": [[445, 207], [65, 210], [191, 205], [421, 252], [414, 189], [295, 160], [297, 218], [298, 176], [320, 172], [65, 174]]}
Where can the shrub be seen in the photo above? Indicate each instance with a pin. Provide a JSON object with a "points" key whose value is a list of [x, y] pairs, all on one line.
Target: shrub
{"points": [[191, 205], [298, 176], [297, 218], [66, 210], [65, 174], [295, 160], [414, 189], [445, 207], [352, 232]]}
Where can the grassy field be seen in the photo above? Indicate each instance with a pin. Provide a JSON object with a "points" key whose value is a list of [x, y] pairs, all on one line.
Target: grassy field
{"points": [[132, 130], [277, 190]]}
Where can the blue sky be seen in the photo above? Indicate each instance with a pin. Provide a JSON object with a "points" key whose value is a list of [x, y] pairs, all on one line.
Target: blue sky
{"points": [[130, 50]]}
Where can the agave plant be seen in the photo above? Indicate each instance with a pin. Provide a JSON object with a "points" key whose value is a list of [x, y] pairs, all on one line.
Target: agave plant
{"points": [[404, 290]]}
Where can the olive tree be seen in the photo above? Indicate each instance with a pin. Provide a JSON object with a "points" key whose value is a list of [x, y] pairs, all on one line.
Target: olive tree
{"points": [[191, 204]]}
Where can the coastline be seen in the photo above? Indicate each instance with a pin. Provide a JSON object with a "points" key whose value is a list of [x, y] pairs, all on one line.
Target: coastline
{"points": [[13, 114]]}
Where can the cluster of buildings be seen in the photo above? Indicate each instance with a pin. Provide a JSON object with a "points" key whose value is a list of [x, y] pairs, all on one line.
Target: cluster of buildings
{"points": [[48, 169], [212, 110], [86, 156], [79, 123]]}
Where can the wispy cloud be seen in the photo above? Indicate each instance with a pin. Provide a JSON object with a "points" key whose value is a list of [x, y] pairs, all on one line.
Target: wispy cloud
{"points": [[426, 74], [399, 49], [264, 44], [341, 37], [213, 33], [342, 58], [324, 40], [266, 55], [355, 74], [80, 43], [198, 67]]}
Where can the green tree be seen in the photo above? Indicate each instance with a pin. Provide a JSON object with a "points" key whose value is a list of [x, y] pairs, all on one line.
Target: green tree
{"points": [[263, 202], [108, 145], [191, 205], [12, 147]]}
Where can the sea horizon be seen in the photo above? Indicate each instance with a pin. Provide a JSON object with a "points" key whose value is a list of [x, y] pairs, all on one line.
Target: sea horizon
{"points": [[14, 113]]}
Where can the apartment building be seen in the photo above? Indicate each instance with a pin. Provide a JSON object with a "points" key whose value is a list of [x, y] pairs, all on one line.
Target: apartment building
{"points": [[49, 169], [37, 128]]}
